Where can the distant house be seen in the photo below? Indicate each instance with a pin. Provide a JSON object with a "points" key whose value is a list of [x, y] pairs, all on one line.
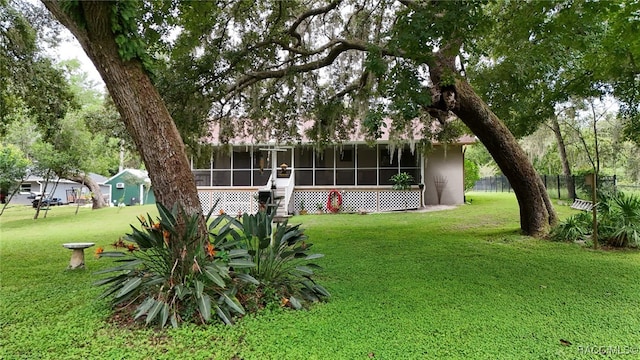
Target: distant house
{"points": [[67, 190], [131, 187], [233, 176]]}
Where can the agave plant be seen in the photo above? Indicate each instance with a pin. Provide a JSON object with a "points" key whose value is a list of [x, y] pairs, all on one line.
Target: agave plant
{"points": [[281, 256], [171, 270]]}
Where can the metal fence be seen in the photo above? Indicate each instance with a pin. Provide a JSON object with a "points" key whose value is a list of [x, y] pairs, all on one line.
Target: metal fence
{"points": [[557, 185]]}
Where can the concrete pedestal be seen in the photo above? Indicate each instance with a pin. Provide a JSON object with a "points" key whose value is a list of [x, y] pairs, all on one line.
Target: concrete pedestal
{"points": [[77, 256]]}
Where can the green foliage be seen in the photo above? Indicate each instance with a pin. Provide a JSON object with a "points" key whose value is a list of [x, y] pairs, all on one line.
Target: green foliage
{"points": [[541, 54], [124, 24], [172, 275], [619, 219], [49, 160], [375, 64], [283, 266], [13, 167], [618, 222], [616, 63], [270, 70], [29, 79], [447, 288], [471, 174], [401, 181], [575, 227], [329, 116], [28, 76], [373, 124], [125, 18], [404, 86], [172, 272]]}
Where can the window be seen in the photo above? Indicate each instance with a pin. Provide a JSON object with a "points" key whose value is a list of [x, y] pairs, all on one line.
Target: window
{"points": [[221, 160], [367, 157], [304, 157], [202, 177], [202, 159], [25, 188]]}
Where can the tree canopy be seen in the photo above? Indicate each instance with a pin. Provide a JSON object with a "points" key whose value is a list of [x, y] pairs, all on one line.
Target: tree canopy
{"points": [[260, 66], [29, 78], [50, 110], [543, 54], [265, 65]]}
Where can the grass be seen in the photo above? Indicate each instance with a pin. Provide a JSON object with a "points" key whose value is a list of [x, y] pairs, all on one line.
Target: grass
{"points": [[458, 284]]}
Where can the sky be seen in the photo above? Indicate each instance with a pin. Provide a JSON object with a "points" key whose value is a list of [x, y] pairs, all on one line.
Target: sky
{"points": [[68, 49]]}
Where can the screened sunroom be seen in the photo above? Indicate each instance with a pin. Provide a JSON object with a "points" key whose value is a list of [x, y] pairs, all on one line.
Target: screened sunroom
{"points": [[229, 178], [344, 165]]}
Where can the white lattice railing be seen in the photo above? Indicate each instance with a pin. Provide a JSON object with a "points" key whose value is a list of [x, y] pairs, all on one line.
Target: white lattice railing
{"points": [[357, 199], [229, 200], [234, 200]]}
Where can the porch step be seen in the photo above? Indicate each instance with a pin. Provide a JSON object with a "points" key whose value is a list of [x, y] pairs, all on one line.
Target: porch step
{"points": [[280, 218]]}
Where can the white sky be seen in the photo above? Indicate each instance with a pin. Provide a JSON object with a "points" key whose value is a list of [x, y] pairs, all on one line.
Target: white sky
{"points": [[68, 49]]}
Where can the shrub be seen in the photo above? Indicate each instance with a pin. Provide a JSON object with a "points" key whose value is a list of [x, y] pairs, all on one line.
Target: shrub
{"points": [[573, 228], [282, 261], [618, 221], [471, 174], [401, 181], [172, 274]]}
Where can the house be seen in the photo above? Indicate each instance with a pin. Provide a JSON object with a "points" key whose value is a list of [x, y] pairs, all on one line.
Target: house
{"points": [[131, 187], [67, 190], [233, 177]]}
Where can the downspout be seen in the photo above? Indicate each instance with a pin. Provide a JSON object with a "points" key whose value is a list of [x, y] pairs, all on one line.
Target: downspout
{"points": [[464, 195], [423, 165]]}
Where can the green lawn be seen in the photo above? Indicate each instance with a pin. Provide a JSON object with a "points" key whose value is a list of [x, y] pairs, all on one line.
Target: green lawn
{"points": [[458, 284]]}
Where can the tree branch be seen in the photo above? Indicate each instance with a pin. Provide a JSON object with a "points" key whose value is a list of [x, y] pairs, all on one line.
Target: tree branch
{"points": [[336, 46], [313, 12]]}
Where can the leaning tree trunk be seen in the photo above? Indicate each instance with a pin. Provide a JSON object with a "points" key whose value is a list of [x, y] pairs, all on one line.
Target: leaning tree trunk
{"points": [[97, 199], [536, 210], [143, 112], [562, 151]]}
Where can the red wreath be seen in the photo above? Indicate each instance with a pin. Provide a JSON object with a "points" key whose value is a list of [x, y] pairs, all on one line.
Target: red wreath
{"points": [[334, 201]]}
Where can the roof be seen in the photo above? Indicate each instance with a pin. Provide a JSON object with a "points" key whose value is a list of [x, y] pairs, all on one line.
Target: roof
{"points": [[243, 135], [142, 175], [99, 179]]}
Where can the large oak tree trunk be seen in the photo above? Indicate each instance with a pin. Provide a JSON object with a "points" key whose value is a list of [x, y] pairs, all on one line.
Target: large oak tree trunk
{"points": [[97, 199], [536, 210], [142, 110]]}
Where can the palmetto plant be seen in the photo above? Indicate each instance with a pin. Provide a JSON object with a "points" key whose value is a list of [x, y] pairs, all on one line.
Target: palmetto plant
{"points": [[618, 221], [573, 228]]}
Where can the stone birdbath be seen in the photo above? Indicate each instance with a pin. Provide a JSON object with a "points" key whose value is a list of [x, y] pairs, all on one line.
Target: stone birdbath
{"points": [[77, 256]]}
